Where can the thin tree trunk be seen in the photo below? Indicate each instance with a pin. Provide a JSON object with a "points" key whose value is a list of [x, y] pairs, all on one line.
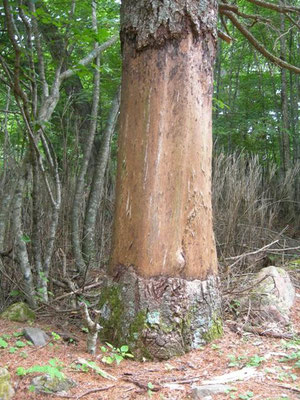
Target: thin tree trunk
{"points": [[97, 186], [285, 141], [76, 209], [36, 223], [20, 241]]}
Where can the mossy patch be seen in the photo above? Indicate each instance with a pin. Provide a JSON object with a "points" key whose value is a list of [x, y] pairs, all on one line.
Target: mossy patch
{"points": [[117, 329], [112, 311], [52, 384], [19, 312], [6, 390], [215, 331]]}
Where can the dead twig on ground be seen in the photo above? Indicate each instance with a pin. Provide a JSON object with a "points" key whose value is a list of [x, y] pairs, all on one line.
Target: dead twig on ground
{"points": [[291, 388], [101, 389], [155, 388]]}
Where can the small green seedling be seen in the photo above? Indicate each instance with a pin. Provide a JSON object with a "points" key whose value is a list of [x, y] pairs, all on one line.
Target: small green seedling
{"points": [[246, 396], [20, 344], [150, 387], [255, 361], [295, 357], [115, 354], [12, 350], [3, 343], [55, 336], [18, 334], [5, 336]]}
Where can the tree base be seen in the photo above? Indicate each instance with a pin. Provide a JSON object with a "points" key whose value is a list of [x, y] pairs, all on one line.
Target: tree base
{"points": [[160, 317]]}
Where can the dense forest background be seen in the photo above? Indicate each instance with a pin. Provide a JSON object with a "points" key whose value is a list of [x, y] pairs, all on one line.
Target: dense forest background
{"points": [[60, 73]]}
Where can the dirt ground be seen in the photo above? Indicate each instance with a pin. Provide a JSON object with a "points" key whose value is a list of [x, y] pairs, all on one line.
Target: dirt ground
{"points": [[278, 380]]}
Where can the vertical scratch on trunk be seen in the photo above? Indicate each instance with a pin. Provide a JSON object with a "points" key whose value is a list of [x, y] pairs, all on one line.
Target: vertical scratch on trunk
{"points": [[147, 136]]}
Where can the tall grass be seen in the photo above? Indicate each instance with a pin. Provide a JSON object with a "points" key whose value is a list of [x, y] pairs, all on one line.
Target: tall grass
{"points": [[252, 204]]}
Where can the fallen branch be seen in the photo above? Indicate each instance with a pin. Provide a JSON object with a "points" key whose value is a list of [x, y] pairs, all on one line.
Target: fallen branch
{"points": [[291, 388], [95, 390], [183, 381], [155, 388], [260, 332], [239, 328], [95, 367]]}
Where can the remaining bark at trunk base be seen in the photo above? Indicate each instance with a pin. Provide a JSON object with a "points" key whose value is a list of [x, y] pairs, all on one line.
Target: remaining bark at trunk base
{"points": [[160, 317]]}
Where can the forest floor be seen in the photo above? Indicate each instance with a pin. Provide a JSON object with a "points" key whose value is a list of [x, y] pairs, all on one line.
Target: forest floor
{"points": [[136, 380]]}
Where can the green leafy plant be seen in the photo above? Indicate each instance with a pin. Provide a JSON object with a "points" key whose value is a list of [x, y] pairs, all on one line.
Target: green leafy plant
{"points": [[55, 336], [18, 334], [5, 336], [20, 344], [84, 365], [235, 361], [3, 343], [246, 396], [14, 293], [12, 350], [234, 306], [53, 368], [230, 391], [295, 357], [255, 361], [150, 387], [114, 354]]}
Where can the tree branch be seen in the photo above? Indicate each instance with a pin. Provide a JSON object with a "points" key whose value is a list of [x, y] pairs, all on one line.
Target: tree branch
{"points": [[258, 45], [275, 7], [89, 58]]}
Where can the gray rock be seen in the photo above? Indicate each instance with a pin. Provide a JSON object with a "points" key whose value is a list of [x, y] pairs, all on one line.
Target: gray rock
{"points": [[19, 312], [6, 390], [36, 336], [204, 391], [52, 384], [273, 297]]}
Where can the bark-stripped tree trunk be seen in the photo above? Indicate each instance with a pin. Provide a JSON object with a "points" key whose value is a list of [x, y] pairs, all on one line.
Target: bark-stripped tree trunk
{"points": [[164, 261]]}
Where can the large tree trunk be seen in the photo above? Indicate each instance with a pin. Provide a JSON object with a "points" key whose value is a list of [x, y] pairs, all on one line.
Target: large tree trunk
{"points": [[163, 259]]}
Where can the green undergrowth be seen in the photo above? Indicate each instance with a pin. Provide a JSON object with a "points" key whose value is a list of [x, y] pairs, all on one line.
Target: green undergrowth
{"points": [[53, 368]]}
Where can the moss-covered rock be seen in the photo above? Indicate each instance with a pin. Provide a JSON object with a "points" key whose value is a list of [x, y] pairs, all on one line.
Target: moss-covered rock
{"points": [[19, 312], [6, 390], [52, 384]]}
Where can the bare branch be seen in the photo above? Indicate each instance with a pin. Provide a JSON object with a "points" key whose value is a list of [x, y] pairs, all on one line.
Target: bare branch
{"points": [[89, 58], [225, 37], [275, 7], [258, 45], [41, 63]]}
